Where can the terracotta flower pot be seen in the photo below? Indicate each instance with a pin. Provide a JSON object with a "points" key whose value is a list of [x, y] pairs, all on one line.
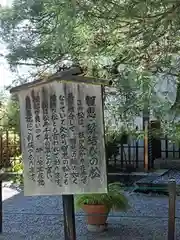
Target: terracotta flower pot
{"points": [[96, 214]]}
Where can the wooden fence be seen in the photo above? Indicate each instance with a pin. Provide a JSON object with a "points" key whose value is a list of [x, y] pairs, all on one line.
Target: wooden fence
{"points": [[132, 154]]}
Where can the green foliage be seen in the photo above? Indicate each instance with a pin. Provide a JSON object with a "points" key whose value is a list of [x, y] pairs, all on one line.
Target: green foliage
{"points": [[17, 179], [9, 147], [9, 114], [113, 141], [135, 91], [9, 131], [143, 36], [115, 136], [132, 32], [12, 116], [114, 199], [17, 165]]}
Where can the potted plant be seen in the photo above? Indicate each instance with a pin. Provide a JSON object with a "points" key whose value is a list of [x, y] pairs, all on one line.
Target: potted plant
{"points": [[98, 206]]}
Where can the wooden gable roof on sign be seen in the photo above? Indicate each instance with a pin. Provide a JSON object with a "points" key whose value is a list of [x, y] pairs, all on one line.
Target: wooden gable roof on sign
{"points": [[74, 74]]}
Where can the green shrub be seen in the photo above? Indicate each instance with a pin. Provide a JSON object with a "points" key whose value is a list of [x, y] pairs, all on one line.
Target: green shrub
{"points": [[17, 165]]}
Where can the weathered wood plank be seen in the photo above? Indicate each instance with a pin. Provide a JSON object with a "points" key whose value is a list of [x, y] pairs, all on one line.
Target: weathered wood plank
{"points": [[71, 75], [62, 133]]}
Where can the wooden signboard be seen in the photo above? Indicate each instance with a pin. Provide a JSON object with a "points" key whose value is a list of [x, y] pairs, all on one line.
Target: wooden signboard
{"points": [[62, 136]]}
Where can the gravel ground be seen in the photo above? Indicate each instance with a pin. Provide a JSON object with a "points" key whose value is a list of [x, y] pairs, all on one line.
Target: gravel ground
{"points": [[34, 218]]}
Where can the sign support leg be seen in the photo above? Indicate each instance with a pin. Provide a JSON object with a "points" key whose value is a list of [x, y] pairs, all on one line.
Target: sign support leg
{"points": [[69, 217], [172, 209], [1, 208]]}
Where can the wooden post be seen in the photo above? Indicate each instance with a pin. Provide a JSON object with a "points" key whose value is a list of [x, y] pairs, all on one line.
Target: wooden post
{"points": [[69, 217], [1, 163], [146, 160], [104, 139], [1, 208], [172, 209], [137, 154]]}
